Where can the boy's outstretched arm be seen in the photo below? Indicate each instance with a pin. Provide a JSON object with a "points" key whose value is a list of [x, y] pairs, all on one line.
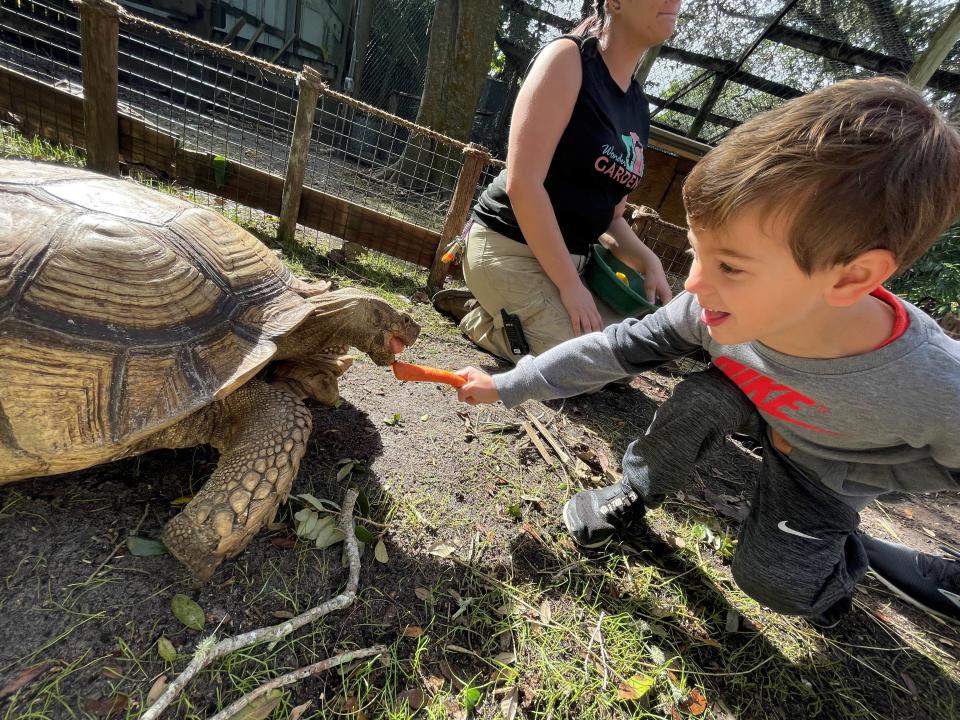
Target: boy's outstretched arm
{"points": [[589, 362]]}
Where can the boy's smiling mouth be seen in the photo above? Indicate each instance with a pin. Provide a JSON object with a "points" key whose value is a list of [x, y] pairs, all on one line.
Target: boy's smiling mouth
{"points": [[712, 318]]}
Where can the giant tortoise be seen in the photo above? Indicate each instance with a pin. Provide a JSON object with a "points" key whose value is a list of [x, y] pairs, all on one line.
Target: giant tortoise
{"points": [[132, 320]]}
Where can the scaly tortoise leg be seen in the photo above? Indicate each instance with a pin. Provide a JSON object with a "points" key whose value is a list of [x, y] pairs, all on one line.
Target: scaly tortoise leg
{"points": [[261, 435]]}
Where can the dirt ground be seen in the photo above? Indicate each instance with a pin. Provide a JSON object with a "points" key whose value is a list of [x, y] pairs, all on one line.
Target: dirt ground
{"points": [[75, 604]]}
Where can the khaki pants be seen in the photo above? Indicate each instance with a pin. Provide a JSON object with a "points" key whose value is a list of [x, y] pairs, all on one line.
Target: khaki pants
{"points": [[502, 273]]}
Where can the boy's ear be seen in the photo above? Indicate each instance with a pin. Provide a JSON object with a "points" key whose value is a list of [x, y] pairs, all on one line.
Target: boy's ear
{"points": [[861, 276]]}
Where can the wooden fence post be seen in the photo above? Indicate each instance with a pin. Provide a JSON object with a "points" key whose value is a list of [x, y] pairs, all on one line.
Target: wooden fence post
{"points": [[99, 39], [475, 158], [309, 84]]}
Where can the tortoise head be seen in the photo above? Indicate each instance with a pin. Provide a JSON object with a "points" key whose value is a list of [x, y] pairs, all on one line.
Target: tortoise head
{"points": [[350, 317], [390, 332]]}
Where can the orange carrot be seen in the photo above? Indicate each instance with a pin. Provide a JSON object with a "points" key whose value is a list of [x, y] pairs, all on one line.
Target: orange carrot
{"points": [[422, 373]]}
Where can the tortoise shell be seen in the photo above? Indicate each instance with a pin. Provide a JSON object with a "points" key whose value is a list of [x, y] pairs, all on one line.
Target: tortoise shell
{"points": [[122, 310]]}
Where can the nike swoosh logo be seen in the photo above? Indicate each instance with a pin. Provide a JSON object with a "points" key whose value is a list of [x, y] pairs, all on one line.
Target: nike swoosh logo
{"points": [[952, 597], [782, 525]]}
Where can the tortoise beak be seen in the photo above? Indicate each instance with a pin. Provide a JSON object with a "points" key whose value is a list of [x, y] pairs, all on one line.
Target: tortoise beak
{"points": [[397, 345]]}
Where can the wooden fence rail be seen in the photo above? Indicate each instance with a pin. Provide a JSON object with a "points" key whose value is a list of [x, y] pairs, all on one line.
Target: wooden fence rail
{"points": [[94, 123], [41, 110]]}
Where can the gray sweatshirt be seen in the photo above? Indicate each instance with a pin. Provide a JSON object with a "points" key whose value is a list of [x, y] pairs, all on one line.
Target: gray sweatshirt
{"points": [[866, 424]]}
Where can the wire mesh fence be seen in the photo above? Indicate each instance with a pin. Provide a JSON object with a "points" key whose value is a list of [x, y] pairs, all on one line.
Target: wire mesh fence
{"points": [[239, 111], [238, 114], [391, 71]]}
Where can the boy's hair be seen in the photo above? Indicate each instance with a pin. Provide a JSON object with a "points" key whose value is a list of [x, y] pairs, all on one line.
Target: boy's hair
{"points": [[860, 165]]}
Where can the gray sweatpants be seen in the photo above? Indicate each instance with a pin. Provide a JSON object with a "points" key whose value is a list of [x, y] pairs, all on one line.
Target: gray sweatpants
{"points": [[798, 552]]}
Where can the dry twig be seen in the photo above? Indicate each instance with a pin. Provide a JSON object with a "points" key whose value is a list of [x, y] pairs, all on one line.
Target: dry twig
{"points": [[209, 650], [298, 674]]}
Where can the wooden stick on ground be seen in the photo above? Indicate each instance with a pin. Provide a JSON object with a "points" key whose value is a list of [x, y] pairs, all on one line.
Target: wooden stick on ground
{"points": [[298, 674], [209, 650]]}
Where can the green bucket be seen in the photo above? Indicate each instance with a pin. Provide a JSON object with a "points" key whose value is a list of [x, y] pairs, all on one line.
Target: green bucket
{"points": [[627, 298]]}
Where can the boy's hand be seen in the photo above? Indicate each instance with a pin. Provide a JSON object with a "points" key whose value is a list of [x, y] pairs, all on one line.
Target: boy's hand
{"points": [[480, 388]]}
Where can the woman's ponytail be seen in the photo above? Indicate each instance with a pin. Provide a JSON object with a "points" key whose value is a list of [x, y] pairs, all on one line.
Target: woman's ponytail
{"points": [[594, 24]]}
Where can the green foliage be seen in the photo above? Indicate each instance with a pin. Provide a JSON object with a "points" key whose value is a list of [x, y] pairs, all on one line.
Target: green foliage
{"points": [[933, 282], [15, 145]]}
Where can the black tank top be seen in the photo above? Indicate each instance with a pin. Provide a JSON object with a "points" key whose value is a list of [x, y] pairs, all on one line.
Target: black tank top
{"points": [[598, 160]]}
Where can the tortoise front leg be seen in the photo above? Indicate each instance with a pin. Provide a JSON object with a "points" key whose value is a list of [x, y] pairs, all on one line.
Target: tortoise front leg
{"points": [[261, 435]]}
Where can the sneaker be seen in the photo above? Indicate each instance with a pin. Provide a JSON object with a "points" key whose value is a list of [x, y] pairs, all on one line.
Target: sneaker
{"points": [[454, 302], [929, 582], [593, 517]]}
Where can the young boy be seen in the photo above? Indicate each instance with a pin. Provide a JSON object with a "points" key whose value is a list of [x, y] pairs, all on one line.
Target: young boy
{"points": [[796, 220]]}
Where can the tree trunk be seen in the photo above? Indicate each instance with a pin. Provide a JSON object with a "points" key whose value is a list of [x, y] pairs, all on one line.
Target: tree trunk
{"points": [[462, 36]]}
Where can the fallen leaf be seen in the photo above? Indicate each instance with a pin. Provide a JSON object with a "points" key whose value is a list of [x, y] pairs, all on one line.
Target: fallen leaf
{"points": [[676, 542], [107, 707], [145, 547], [300, 710], [506, 658], [504, 675], [911, 685], [156, 690], [442, 550], [184, 500], [345, 469], [363, 535], [435, 683], [282, 614], [510, 704], [454, 710], [321, 505], [423, 594], [413, 697], [733, 620], [351, 707], [24, 678], [166, 650], [187, 612], [506, 610], [635, 688], [413, 631], [471, 697], [546, 613], [380, 552], [727, 505], [261, 708], [287, 543], [674, 713], [363, 502], [696, 703]]}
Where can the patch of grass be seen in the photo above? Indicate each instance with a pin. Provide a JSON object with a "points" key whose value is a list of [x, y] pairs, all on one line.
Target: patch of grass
{"points": [[15, 145]]}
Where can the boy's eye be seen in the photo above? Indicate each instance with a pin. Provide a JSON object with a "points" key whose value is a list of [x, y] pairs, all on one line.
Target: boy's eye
{"points": [[727, 270]]}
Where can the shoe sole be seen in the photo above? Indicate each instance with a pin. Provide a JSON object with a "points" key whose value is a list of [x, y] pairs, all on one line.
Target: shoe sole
{"points": [[567, 521], [911, 600]]}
